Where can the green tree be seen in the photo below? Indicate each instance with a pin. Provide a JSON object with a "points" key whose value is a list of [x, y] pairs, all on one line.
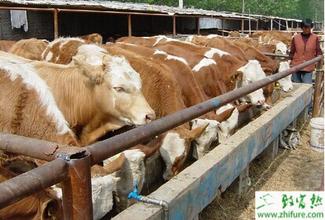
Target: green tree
{"points": [[299, 9]]}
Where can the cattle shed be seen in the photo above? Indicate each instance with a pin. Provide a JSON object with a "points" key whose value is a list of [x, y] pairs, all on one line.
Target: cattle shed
{"points": [[49, 19]]}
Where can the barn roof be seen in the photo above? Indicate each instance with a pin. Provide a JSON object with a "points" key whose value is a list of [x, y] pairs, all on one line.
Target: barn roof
{"points": [[122, 6]]}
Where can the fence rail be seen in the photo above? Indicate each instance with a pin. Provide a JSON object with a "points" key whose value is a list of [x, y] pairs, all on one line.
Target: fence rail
{"points": [[72, 165]]}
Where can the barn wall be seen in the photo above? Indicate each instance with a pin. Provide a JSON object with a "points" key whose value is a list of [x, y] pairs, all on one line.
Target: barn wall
{"points": [[40, 25], [151, 25], [186, 25], [76, 24]]}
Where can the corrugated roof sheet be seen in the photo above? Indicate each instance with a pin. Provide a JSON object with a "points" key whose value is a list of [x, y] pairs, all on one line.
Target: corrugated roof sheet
{"points": [[122, 6]]}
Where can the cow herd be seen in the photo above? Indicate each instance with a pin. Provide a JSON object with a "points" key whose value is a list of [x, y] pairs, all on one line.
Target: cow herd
{"points": [[75, 91]]}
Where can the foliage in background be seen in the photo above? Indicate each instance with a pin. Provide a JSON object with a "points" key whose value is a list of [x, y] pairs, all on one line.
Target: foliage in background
{"points": [[300, 9]]}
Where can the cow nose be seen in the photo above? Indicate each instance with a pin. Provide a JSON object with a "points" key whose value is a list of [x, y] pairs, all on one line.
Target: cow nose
{"points": [[150, 117], [260, 102]]}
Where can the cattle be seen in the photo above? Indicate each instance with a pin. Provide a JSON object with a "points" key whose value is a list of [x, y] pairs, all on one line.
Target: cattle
{"points": [[164, 95], [113, 93], [27, 105], [93, 38], [285, 83], [29, 48], [62, 50], [243, 52], [5, 45], [42, 205], [268, 36], [215, 70], [103, 186], [185, 79]]}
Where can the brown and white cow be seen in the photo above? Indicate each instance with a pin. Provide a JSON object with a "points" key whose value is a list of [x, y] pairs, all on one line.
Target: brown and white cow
{"points": [[110, 87], [164, 95]]}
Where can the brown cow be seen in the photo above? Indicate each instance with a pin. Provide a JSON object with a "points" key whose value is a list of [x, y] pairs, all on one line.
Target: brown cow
{"points": [[5, 45], [93, 38], [29, 48]]}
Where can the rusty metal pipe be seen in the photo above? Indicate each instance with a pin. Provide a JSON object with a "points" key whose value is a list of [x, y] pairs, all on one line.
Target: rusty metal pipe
{"points": [[35, 148], [107, 148], [77, 196], [25, 8], [32, 181], [275, 55], [318, 91]]}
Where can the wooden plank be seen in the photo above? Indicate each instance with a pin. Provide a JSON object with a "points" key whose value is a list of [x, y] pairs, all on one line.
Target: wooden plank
{"points": [[197, 186]]}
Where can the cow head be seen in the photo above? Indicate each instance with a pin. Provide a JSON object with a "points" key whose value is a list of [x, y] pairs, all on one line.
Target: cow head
{"points": [[175, 148], [116, 85], [226, 127], [251, 73], [102, 187], [285, 83], [131, 172], [203, 142], [281, 48]]}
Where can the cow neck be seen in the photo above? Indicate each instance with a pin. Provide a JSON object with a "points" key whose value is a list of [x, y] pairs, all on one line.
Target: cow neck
{"points": [[75, 98]]}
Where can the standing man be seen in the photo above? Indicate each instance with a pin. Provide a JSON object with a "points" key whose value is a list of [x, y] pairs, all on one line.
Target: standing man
{"points": [[304, 46]]}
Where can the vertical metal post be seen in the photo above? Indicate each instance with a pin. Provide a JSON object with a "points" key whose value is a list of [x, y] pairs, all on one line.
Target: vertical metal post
{"points": [[271, 24], [198, 25], [279, 23], [291, 24], [256, 24], [222, 27], [318, 90], [242, 25], [130, 25], [249, 21], [77, 196], [287, 25], [174, 25], [55, 23]]}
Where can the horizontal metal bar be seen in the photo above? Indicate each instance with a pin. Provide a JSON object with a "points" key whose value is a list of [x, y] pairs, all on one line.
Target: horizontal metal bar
{"points": [[32, 181], [107, 148], [25, 8], [275, 55], [35, 148]]}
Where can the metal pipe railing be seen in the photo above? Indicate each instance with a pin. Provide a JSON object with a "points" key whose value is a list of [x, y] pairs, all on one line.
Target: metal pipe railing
{"points": [[32, 181], [79, 174], [319, 91], [39, 149], [275, 55], [107, 148]]}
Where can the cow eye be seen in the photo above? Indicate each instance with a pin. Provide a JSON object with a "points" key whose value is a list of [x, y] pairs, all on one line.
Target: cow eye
{"points": [[119, 89]]}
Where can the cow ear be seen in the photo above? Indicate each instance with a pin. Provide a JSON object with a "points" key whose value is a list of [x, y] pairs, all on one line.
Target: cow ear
{"points": [[78, 60], [197, 132]]}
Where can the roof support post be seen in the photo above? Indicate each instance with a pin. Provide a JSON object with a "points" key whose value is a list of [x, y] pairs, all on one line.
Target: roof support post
{"points": [[129, 25], [55, 23], [174, 25]]}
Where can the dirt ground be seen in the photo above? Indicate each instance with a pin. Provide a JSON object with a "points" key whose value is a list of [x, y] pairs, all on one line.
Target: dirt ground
{"points": [[291, 170]]}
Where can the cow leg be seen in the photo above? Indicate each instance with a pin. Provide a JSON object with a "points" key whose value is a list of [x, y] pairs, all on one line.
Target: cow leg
{"points": [[90, 137]]}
